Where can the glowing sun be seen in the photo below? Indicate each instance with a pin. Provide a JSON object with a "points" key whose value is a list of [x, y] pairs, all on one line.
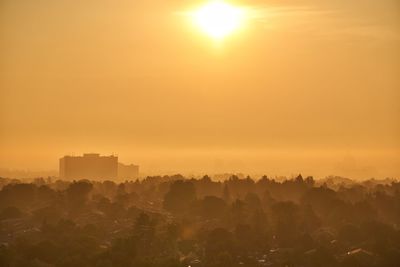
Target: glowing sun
{"points": [[218, 19]]}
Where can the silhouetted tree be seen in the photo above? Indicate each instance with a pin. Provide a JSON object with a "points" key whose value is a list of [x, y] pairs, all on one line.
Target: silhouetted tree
{"points": [[77, 195], [179, 196], [10, 213]]}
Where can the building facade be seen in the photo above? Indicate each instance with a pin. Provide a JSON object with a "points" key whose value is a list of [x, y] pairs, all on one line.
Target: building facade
{"points": [[128, 172], [89, 166]]}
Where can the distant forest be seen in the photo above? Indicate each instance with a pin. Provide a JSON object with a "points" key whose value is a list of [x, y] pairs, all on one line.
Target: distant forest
{"points": [[174, 221]]}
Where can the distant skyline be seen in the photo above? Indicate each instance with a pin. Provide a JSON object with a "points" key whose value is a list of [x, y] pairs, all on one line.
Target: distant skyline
{"points": [[304, 86]]}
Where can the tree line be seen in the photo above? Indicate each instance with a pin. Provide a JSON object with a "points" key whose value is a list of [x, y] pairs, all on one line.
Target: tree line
{"points": [[178, 221]]}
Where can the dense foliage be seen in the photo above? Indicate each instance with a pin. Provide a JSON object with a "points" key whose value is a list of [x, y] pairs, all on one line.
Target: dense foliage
{"points": [[173, 221]]}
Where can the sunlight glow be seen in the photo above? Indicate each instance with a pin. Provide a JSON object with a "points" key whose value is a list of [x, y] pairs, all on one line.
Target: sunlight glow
{"points": [[218, 19]]}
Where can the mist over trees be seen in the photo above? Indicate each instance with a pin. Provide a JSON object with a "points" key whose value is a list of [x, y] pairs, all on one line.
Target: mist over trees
{"points": [[177, 221]]}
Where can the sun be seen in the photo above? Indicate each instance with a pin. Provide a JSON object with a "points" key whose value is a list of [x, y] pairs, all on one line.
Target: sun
{"points": [[218, 19]]}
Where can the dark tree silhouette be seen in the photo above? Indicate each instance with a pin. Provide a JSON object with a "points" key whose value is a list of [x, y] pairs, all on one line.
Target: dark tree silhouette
{"points": [[179, 197]]}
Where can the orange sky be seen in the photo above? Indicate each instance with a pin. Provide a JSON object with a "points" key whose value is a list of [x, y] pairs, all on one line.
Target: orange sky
{"points": [[307, 86]]}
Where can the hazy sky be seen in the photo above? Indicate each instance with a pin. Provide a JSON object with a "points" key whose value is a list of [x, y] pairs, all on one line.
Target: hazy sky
{"points": [[306, 86]]}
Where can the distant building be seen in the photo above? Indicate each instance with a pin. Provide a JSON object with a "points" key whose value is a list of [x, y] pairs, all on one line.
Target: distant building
{"points": [[95, 167], [128, 172], [89, 166]]}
